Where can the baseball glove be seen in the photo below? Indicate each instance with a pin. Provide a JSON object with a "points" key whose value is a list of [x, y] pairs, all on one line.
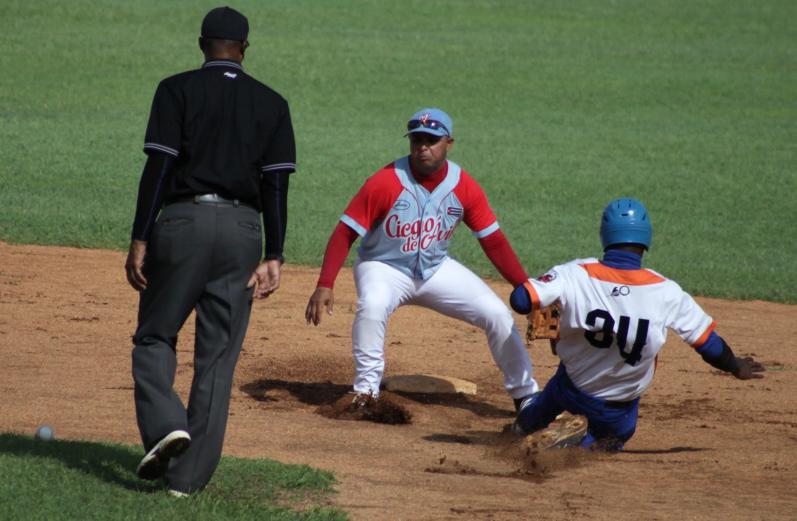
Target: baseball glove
{"points": [[544, 323]]}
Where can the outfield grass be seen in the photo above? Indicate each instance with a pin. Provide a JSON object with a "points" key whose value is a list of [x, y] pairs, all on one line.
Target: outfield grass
{"points": [[558, 108], [64, 480]]}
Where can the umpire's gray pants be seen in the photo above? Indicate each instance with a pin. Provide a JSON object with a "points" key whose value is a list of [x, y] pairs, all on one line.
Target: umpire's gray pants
{"points": [[199, 257]]}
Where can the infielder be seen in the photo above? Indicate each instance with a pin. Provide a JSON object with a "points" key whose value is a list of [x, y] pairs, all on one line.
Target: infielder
{"points": [[406, 213], [614, 321]]}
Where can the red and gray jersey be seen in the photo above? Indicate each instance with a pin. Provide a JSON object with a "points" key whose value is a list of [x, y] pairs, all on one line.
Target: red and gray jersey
{"points": [[408, 227], [614, 322]]}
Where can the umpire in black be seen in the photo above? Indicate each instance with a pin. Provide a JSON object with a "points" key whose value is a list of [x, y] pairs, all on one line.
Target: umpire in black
{"points": [[220, 150]]}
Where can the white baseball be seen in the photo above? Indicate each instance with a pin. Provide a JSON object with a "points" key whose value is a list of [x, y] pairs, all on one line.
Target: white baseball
{"points": [[45, 433]]}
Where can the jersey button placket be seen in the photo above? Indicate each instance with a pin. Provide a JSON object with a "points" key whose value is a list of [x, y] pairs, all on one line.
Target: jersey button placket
{"points": [[424, 215]]}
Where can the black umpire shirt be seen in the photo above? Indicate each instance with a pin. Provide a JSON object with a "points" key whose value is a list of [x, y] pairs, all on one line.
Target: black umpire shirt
{"points": [[215, 130]]}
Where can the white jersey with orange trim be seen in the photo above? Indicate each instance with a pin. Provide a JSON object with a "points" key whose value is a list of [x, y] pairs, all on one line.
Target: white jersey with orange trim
{"points": [[614, 322]]}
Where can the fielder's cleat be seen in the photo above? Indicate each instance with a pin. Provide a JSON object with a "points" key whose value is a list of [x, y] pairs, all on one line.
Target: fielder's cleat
{"points": [[362, 400], [156, 462], [177, 493]]}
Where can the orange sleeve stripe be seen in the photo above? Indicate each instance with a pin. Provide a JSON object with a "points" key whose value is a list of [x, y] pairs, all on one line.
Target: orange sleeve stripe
{"points": [[535, 298], [641, 277], [704, 336]]}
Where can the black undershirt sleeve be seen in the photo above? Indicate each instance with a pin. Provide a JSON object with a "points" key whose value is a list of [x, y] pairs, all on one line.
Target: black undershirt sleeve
{"points": [[150, 193], [274, 202], [725, 361]]}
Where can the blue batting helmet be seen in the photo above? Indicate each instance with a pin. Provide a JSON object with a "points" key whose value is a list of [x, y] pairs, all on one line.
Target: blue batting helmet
{"points": [[626, 221]]}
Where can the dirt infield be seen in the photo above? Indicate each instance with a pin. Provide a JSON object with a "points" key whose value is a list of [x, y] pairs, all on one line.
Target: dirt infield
{"points": [[707, 447]]}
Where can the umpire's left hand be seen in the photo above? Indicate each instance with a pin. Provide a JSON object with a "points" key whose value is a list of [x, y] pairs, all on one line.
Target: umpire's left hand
{"points": [[266, 277]]}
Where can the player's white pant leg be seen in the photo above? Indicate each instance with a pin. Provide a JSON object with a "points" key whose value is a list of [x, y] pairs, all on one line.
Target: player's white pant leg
{"points": [[457, 292], [380, 291]]}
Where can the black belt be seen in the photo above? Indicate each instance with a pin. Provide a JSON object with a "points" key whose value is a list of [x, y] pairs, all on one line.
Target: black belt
{"points": [[211, 199]]}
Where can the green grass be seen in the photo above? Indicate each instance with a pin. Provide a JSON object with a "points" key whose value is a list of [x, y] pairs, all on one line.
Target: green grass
{"points": [[58, 480], [558, 108]]}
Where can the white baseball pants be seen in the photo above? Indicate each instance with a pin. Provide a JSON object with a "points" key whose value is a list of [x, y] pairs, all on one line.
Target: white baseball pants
{"points": [[454, 291]]}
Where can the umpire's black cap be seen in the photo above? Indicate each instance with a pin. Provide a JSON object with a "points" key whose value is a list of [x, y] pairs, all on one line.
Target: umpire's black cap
{"points": [[225, 23]]}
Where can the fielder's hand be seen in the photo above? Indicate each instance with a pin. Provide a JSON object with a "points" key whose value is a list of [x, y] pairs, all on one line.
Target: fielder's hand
{"points": [[134, 266], [747, 368], [266, 277], [321, 298]]}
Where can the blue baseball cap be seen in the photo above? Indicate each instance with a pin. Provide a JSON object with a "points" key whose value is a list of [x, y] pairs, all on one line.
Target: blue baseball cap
{"points": [[432, 121]]}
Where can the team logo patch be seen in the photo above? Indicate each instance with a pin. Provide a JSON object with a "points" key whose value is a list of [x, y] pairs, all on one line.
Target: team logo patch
{"points": [[548, 277], [620, 291], [231, 75], [456, 212], [401, 205]]}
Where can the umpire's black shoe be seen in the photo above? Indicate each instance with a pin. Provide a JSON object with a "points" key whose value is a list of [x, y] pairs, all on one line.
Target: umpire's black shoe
{"points": [[156, 462]]}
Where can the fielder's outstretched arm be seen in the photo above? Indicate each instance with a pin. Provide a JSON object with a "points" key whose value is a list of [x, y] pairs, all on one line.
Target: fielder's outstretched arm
{"points": [[497, 248], [337, 250]]}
